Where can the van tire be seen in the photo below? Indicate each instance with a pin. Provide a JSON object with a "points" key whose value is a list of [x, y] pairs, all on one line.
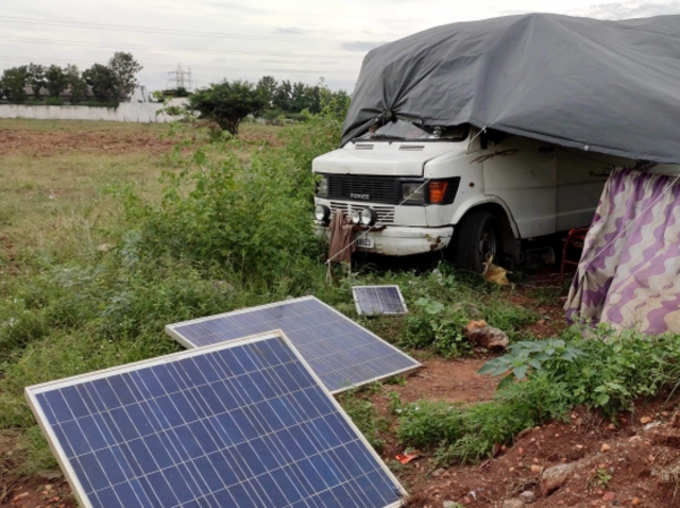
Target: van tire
{"points": [[476, 237]]}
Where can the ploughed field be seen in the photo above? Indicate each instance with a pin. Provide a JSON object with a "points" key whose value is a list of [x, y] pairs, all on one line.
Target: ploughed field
{"points": [[110, 231]]}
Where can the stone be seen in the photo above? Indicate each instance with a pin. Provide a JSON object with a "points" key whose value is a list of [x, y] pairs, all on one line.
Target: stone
{"points": [[483, 335], [528, 496], [450, 504], [645, 419], [608, 496], [535, 468], [556, 476], [605, 447], [513, 503]]}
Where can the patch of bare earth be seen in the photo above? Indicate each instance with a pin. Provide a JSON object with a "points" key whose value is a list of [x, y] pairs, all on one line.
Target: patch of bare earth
{"points": [[48, 489], [585, 461], [52, 142]]}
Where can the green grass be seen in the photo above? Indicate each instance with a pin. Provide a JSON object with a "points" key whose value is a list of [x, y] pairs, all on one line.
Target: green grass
{"points": [[100, 250]]}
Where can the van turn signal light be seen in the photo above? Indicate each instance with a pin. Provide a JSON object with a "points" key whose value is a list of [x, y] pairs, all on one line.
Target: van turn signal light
{"points": [[437, 191]]}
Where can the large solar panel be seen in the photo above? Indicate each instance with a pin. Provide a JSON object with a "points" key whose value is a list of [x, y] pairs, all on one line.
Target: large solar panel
{"points": [[342, 353], [376, 300], [244, 423]]}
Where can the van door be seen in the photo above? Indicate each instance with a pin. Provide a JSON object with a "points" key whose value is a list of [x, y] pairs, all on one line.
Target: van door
{"points": [[523, 173], [580, 178]]}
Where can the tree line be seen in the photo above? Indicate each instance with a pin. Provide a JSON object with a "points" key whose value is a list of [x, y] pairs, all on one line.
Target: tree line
{"points": [[105, 84], [229, 102]]}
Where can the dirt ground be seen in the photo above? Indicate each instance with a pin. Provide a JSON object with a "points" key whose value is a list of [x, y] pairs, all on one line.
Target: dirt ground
{"points": [[622, 463], [39, 143]]}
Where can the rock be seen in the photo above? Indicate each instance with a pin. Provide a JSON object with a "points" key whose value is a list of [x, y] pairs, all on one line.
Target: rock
{"points": [[645, 419], [651, 425], [608, 496], [635, 501], [104, 247], [605, 447], [535, 468], [450, 504], [513, 503], [556, 476], [483, 335], [528, 496]]}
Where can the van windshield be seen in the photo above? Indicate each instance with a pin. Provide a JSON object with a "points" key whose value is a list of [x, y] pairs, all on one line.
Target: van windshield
{"points": [[407, 131]]}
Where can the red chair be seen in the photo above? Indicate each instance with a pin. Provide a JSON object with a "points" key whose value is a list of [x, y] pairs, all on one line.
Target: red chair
{"points": [[573, 244]]}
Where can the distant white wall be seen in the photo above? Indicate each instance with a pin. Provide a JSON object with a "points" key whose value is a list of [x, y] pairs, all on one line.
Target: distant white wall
{"points": [[125, 112]]}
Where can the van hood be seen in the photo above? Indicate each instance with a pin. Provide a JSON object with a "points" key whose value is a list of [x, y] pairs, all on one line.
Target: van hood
{"points": [[395, 158]]}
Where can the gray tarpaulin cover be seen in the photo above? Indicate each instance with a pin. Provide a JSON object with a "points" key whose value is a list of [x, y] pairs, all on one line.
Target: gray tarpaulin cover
{"points": [[607, 86]]}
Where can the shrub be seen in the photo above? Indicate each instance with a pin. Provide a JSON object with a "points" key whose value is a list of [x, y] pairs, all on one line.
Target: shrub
{"points": [[227, 103]]}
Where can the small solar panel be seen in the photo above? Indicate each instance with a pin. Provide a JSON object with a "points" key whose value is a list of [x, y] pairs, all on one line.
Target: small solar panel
{"points": [[341, 352], [376, 300], [244, 423]]}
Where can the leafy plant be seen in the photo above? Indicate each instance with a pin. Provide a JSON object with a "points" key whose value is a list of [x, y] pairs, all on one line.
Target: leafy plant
{"points": [[529, 355]]}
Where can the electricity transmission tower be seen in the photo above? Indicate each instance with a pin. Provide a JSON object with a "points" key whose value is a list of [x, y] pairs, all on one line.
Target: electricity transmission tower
{"points": [[180, 78]]}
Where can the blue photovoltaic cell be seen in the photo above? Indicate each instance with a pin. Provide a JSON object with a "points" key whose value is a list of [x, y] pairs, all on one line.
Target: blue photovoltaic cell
{"points": [[238, 425], [340, 352], [374, 300]]}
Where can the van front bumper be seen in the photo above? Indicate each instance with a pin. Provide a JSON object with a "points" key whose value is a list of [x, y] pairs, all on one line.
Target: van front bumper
{"points": [[400, 240]]}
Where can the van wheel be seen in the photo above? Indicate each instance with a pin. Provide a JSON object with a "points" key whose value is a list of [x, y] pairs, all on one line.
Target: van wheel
{"points": [[477, 238]]}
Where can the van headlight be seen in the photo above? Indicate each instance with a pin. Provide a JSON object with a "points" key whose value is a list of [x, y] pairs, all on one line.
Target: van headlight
{"points": [[367, 217], [355, 216], [322, 186], [322, 213], [413, 193]]}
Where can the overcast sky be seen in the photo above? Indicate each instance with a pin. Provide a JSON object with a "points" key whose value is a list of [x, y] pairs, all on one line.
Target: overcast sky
{"points": [[299, 40]]}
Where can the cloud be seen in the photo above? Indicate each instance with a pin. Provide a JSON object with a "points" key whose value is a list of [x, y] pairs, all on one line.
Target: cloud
{"points": [[289, 30], [233, 6], [622, 10], [360, 45]]}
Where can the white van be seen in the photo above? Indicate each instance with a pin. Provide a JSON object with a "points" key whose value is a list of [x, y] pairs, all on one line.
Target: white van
{"points": [[477, 194]]}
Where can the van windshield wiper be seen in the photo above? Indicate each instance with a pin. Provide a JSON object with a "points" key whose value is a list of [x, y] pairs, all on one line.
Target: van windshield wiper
{"points": [[384, 137]]}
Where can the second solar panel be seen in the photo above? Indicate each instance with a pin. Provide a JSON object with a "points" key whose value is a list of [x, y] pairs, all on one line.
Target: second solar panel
{"points": [[341, 352]]}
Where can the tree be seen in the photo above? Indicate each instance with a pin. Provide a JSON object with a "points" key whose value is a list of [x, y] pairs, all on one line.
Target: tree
{"points": [[103, 82], [76, 84], [125, 68], [36, 78], [57, 80], [227, 103], [283, 96], [266, 87], [13, 83]]}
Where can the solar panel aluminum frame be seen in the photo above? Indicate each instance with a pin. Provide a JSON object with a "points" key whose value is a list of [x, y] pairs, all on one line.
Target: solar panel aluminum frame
{"points": [[79, 493], [172, 332], [401, 298]]}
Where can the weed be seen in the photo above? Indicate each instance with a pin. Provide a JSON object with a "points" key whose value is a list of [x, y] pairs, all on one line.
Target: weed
{"points": [[602, 477], [365, 417]]}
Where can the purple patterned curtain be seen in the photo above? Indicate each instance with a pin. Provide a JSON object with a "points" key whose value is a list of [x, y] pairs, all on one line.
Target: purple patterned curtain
{"points": [[629, 273]]}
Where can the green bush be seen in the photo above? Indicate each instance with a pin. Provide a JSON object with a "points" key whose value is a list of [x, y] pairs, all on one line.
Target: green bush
{"points": [[438, 323], [608, 371]]}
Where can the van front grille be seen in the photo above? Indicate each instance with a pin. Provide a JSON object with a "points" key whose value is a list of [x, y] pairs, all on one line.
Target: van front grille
{"points": [[385, 214], [376, 189]]}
